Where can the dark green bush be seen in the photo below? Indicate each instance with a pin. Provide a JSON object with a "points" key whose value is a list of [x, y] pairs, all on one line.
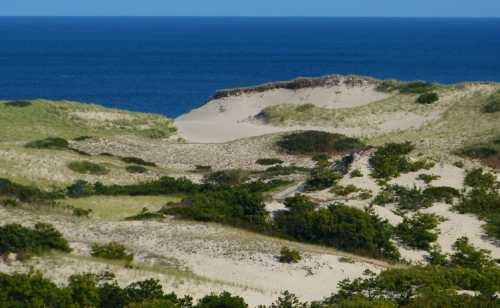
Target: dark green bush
{"points": [[337, 225], [441, 194], [344, 190], [146, 215], [232, 177], [480, 152], [390, 160], [87, 167], [284, 170], [82, 212], [418, 231], [233, 206], [269, 161], [136, 169], [112, 251], [480, 179], [288, 255], [493, 104], [24, 193], [428, 98], [19, 104], [316, 142], [427, 178], [223, 300], [415, 87], [52, 143], [321, 178], [43, 237], [137, 161], [356, 174]]}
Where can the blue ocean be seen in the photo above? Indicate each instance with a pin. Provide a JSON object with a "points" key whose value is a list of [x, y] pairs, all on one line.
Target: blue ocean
{"points": [[170, 65]]}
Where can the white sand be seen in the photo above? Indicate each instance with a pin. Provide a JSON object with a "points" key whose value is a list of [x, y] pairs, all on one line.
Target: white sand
{"points": [[226, 119]]}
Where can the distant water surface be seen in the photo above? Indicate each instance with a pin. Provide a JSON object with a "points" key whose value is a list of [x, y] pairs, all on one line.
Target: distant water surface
{"points": [[170, 65]]}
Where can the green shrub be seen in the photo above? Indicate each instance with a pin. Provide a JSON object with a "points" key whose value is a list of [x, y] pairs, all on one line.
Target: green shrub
{"points": [[137, 161], [269, 161], [418, 231], [200, 168], [344, 190], [480, 179], [284, 170], [480, 152], [231, 177], [43, 237], [466, 255], [288, 255], [223, 300], [441, 194], [390, 160], [233, 206], [428, 98], [337, 225], [112, 251], [86, 167], [136, 169], [458, 164], [82, 212], [427, 178], [493, 104], [83, 138], [18, 104], [316, 142], [356, 174], [389, 86], [146, 215], [25, 193], [52, 143], [321, 178]]}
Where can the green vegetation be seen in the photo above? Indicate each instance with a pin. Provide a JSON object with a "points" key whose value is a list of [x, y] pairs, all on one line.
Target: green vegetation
{"points": [[232, 177], [316, 142], [418, 231], [87, 167], [414, 198], [488, 152], [202, 169], [136, 169], [25, 193], [288, 255], [337, 225], [70, 120], [390, 161], [137, 161], [52, 143], [233, 206], [493, 103], [145, 214], [283, 170], [428, 98], [414, 286], [43, 237], [82, 212], [414, 87], [112, 251], [18, 104], [356, 174], [269, 161], [321, 178], [344, 190], [480, 179], [427, 178]]}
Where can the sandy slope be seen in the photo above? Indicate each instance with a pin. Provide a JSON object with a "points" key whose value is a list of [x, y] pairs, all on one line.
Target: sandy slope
{"points": [[229, 118]]}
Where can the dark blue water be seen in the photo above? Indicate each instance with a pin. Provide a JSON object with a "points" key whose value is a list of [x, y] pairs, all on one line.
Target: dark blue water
{"points": [[171, 65]]}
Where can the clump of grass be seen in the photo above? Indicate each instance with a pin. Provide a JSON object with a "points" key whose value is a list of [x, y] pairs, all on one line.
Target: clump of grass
{"points": [[269, 161], [112, 251], [53, 143], [316, 142], [136, 169], [344, 190], [145, 214], [86, 167], [19, 104], [288, 255], [428, 98], [347, 260], [82, 212], [202, 168], [137, 161], [82, 138], [414, 87], [493, 104], [356, 174], [427, 178], [304, 108]]}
